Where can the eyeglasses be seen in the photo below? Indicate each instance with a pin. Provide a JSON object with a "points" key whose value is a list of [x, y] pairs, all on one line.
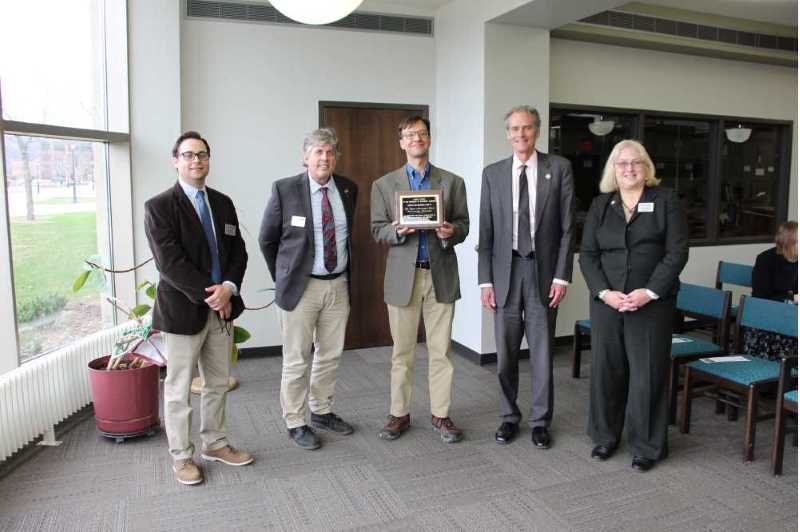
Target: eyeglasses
{"points": [[629, 164], [190, 155], [421, 135]]}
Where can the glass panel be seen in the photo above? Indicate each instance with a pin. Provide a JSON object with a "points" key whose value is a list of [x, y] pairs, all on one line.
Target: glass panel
{"points": [[56, 201], [52, 62], [680, 150], [749, 181], [571, 137]]}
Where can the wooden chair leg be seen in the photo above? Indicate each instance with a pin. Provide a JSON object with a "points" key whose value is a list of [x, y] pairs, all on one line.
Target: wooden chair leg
{"points": [[778, 436], [686, 408], [750, 424], [673, 391], [733, 412], [719, 407]]}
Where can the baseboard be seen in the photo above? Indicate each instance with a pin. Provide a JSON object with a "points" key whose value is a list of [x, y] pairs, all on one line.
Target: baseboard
{"points": [[258, 352], [491, 358]]}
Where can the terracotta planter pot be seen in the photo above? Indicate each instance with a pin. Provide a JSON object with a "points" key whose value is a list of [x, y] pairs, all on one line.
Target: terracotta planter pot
{"points": [[125, 401]]}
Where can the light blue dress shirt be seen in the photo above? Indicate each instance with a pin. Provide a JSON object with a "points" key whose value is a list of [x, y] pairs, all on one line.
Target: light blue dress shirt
{"points": [[340, 223], [417, 182]]}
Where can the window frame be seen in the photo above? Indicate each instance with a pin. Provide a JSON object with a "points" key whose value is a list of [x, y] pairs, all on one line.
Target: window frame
{"points": [[783, 172]]}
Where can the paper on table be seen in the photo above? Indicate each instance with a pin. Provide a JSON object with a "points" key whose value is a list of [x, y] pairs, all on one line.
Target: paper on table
{"points": [[734, 358], [680, 340]]}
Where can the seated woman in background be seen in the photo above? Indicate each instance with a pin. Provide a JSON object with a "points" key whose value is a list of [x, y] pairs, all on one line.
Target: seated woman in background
{"points": [[775, 271], [775, 277]]}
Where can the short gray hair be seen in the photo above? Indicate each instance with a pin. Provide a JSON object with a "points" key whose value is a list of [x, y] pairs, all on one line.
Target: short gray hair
{"points": [[321, 137], [524, 109]]}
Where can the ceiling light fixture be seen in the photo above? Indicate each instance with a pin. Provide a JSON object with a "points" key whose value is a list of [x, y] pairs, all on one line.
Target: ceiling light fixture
{"points": [[601, 127], [316, 11], [738, 134]]}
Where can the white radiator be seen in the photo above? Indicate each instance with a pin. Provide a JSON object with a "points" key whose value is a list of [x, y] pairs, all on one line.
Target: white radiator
{"points": [[43, 392]]}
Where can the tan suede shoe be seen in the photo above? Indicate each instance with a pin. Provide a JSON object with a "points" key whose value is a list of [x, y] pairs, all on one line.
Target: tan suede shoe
{"points": [[187, 472], [228, 455]]}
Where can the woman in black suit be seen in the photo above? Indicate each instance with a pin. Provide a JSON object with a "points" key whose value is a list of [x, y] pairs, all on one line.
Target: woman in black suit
{"points": [[635, 244]]}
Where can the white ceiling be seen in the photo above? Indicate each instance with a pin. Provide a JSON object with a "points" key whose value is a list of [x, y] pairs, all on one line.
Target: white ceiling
{"points": [[775, 11]]}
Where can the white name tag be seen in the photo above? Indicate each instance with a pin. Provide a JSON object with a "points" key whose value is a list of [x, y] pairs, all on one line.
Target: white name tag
{"points": [[298, 221], [230, 230], [646, 207]]}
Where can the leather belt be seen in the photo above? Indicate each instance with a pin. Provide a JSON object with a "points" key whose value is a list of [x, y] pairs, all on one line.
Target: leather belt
{"points": [[423, 265], [328, 277]]}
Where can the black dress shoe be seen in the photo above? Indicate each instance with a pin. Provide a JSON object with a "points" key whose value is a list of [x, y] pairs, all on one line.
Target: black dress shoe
{"points": [[640, 463], [540, 437], [506, 432], [602, 453]]}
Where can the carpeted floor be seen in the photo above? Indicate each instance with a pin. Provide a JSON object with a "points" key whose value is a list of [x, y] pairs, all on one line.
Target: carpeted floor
{"points": [[414, 483]]}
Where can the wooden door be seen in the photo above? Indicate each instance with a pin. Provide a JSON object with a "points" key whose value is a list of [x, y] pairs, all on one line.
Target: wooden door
{"points": [[369, 145]]}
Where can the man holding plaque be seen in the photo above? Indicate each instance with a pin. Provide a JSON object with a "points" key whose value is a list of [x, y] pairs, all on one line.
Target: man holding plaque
{"points": [[420, 211], [305, 239], [525, 265]]}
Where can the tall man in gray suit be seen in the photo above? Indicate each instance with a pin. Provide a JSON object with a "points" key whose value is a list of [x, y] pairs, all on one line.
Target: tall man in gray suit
{"points": [[305, 239], [525, 265], [421, 279]]}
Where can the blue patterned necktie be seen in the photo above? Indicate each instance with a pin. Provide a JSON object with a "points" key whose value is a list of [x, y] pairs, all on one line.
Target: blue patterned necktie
{"points": [[208, 229]]}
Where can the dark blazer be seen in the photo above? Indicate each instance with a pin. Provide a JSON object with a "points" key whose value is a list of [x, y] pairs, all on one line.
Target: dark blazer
{"points": [[774, 277], [398, 281], [648, 252], [289, 250], [182, 257], [555, 203]]}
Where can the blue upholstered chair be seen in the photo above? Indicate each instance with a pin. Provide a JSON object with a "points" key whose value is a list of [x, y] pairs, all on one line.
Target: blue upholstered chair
{"points": [[731, 273], [785, 404], [702, 303], [740, 384]]}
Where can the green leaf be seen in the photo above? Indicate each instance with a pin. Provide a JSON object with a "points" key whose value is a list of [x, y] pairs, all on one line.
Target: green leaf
{"points": [[80, 281], [151, 291], [140, 310], [234, 354], [240, 335]]}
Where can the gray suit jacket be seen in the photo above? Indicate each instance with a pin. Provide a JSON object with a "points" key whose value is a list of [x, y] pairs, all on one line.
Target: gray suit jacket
{"points": [[555, 199], [399, 278], [289, 250]]}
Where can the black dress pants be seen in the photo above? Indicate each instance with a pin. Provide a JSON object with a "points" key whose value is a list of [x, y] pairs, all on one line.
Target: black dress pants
{"points": [[630, 371]]}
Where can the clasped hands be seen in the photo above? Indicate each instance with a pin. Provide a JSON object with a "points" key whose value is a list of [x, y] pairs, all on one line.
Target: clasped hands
{"points": [[443, 232], [220, 299], [627, 302]]}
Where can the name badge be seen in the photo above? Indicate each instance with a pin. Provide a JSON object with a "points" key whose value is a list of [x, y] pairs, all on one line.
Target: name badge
{"points": [[646, 207], [230, 230], [298, 221]]}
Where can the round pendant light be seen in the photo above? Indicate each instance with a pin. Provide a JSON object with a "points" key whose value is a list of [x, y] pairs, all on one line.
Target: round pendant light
{"points": [[316, 11]]}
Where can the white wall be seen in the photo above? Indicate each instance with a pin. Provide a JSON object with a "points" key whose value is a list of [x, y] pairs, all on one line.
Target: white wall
{"points": [[603, 75], [458, 143], [254, 89]]}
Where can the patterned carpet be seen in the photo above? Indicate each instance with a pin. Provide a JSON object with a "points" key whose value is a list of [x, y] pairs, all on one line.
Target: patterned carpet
{"points": [[414, 483]]}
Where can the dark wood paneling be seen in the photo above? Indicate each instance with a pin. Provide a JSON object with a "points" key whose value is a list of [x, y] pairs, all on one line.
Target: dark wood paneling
{"points": [[368, 142]]}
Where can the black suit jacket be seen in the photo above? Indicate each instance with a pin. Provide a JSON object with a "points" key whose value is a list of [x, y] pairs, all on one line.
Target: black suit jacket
{"points": [[288, 249], [648, 252], [182, 257]]}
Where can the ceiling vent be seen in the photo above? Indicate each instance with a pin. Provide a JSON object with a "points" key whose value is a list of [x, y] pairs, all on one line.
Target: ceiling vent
{"points": [[265, 13]]}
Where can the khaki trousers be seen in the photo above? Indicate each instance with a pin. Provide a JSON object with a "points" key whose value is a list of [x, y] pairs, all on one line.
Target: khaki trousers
{"points": [[404, 323], [210, 350], [319, 320]]}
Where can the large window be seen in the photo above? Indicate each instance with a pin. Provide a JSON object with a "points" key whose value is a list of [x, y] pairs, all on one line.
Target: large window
{"points": [[732, 176], [63, 103]]}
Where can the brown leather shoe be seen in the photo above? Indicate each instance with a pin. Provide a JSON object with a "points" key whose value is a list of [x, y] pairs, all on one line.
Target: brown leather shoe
{"points": [[395, 426], [446, 429], [187, 472], [228, 455]]}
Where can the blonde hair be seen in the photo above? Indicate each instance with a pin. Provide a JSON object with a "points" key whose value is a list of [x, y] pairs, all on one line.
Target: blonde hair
{"points": [[608, 182], [786, 231]]}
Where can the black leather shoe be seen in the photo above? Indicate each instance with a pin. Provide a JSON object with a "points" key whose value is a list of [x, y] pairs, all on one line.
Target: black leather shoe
{"points": [[506, 432], [602, 453], [540, 437], [640, 463]]}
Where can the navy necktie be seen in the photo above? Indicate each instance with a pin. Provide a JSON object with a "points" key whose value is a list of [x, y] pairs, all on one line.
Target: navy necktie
{"points": [[524, 245], [208, 229]]}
